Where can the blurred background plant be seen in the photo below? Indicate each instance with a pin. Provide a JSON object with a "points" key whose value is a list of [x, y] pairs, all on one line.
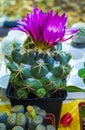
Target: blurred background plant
{"points": [[81, 73], [16, 9]]}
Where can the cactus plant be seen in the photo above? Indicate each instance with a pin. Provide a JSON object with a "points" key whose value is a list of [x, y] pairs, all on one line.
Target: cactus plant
{"points": [[18, 109], [18, 119], [11, 120], [36, 108], [3, 117], [30, 123], [50, 127], [2, 126], [17, 128], [37, 120], [21, 119], [40, 127], [37, 66], [41, 112]]}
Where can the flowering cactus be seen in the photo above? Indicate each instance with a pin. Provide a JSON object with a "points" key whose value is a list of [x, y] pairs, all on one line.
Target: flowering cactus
{"points": [[38, 67]]}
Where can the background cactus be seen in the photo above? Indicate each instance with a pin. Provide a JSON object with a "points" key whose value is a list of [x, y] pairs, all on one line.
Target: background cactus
{"points": [[2, 126], [50, 127], [21, 120], [11, 120], [17, 128], [18, 120], [17, 109], [3, 117], [40, 127]]}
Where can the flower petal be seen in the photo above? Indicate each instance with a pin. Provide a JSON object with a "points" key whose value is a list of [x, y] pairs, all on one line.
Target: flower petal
{"points": [[45, 27]]}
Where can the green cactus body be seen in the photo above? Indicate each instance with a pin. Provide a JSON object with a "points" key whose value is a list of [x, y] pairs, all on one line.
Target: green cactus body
{"points": [[41, 112], [57, 84], [28, 58], [57, 71], [33, 83], [11, 120], [14, 78], [49, 61], [39, 70], [65, 57], [30, 123], [3, 117], [17, 57], [45, 81], [67, 69], [40, 127], [37, 120], [2, 126], [22, 93], [36, 108], [17, 128], [40, 93], [27, 114], [48, 82], [21, 120], [12, 67], [39, 56], [18, 109], [25, 74], [50, 127], [16, 81], [52, 83]]}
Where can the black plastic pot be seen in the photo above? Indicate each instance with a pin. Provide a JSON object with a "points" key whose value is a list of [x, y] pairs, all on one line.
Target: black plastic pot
{"points": [[50, 105]]}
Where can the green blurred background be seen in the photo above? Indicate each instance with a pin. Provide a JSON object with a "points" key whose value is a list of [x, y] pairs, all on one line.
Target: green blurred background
{"points": [[16, 9]]}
